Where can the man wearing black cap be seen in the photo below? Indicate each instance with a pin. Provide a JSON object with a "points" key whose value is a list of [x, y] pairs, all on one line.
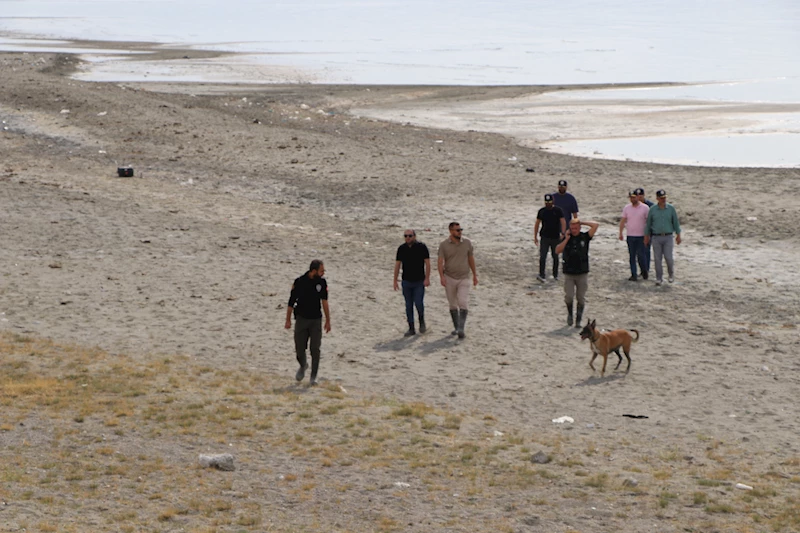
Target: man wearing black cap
{"points": [[551, 219], [662, 223], [308, 292], [640, 194], [575, 250], [567, 202]]}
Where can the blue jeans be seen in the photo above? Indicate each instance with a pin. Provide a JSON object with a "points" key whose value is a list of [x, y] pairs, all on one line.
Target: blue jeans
{"points": [[637, 252], [414, 293]]}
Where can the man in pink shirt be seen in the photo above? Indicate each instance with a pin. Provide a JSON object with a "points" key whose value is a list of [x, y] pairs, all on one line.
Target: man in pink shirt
{"points": [[634, 217]]}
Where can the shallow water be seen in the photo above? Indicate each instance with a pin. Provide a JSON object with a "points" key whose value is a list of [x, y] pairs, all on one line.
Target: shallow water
{"points": [[751, 45]]}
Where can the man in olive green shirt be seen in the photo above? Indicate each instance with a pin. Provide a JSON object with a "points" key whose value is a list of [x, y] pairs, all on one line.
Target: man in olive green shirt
{"points": [[662, 224]]}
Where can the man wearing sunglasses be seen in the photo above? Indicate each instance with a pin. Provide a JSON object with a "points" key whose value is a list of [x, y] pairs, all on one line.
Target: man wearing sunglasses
{"points": [[416, 261], [455, 262]]}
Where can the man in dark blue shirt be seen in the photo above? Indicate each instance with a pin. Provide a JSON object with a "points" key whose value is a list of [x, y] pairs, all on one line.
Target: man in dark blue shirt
{"points": [[309, 291], [567, 202], [416, 261]]}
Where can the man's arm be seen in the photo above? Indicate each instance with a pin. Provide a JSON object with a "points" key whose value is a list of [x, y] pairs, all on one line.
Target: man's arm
{"points": [[563, 244], [622, 226], [427, 281], [327, 316], [289, 309], [536, 232], [647, 227], [396, 273], [471, 261], [440, 265], [592, 226], [563, 225]]}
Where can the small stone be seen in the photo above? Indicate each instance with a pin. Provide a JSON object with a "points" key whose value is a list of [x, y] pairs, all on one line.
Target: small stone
{"points": [[540, 458], [630, 482], [222, 461]]}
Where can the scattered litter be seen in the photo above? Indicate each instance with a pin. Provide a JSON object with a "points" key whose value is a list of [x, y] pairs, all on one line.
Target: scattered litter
{"points": [[765, 368], [64, 111], [529, 169], [402, 485], [752, 219], [344, 391], [498, 433], [563, 419], [630, 482], [438, 141], [101, 114], [590, 426], [636, 416], [512, 158], [743, 486]]}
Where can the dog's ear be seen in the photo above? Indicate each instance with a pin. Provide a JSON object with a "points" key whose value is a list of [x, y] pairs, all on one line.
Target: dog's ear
{"points": [[593, 322]]}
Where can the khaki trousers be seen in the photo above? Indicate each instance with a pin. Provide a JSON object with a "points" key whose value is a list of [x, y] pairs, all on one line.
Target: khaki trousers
{"points": [[457, 291]]}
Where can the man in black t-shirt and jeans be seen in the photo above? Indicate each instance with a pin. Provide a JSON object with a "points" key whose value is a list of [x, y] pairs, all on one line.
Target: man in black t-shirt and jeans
{"points": [[309, 291], [416, 261], [554, 226]]}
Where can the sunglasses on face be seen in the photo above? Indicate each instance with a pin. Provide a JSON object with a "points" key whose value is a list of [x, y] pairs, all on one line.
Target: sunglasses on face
{"points": [[459, 230], [407, 236]]}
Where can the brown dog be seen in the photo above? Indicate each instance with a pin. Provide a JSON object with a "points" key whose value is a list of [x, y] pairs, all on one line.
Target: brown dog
{"points": [[607, 342]]}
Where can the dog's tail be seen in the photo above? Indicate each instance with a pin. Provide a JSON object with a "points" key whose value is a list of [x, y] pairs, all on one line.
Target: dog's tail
{"points": [[637, 334]]}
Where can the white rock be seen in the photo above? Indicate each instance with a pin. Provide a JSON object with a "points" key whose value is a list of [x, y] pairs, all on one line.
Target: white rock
{"points": [[563, 419], [743, 486], [222, 461]]}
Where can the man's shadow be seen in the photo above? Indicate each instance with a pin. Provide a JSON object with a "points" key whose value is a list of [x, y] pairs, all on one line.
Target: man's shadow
{"points": [[425, 344]]}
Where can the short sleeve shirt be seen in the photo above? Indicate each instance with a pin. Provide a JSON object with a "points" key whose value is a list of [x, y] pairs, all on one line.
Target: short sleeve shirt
{"points": [[551, 222], [576, 254], [456, 257], [413, 260], [567, 203], [635, 219]]}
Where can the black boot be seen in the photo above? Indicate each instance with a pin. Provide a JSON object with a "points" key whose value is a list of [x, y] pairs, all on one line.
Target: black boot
{"points": [[569, 314], [454, 316], [410, 331], [578, 316], [422, 328], [462, 320]]}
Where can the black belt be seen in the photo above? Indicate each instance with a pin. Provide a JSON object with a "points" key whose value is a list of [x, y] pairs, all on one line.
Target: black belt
{"points": [[662, 234]]}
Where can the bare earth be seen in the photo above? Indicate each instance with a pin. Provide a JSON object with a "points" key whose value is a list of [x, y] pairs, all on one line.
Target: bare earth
{"points": [[237, 188]]}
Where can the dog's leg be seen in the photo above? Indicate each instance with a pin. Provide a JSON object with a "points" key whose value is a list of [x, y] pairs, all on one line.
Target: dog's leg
{"points": [[620, 358], [605, 360], [627, 349], [594, 354]]}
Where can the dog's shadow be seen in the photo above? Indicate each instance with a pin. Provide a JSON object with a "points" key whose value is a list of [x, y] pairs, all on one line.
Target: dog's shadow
{"points": [[597, 380], [396, 345]]}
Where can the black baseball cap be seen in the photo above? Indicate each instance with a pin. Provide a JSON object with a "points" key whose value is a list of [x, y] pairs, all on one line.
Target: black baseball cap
{"points": [[548, 197], [638, 190], [661, 193], [562, 183]]}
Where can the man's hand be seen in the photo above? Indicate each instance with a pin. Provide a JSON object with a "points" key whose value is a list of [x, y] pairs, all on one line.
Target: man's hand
{"points": [[678, 238], [536, 240], [328, 325], [474, 280], [647, 240], [620, 237], [442, 280], [427, 282], [395, 284], [288, 324]]}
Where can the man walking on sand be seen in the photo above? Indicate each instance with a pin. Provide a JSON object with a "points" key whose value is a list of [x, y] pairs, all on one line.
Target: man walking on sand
{"points": [[565, 200], [647, 249], [416, 261], [662, 223], [308, 292], [553, 226], [575, 250], [455, 262], [634, 216]]}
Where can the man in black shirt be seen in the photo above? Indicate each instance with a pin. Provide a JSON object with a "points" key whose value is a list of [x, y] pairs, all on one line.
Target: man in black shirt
{"points": [[554, 226], [416, 261], [308, 292], [575, 250]]}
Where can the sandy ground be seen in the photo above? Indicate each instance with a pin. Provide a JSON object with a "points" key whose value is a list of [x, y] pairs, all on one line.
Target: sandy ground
{"points": [[238, 188]]}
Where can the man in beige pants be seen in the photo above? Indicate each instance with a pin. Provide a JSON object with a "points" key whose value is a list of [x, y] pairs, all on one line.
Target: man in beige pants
{"points": [[455, 262]]}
